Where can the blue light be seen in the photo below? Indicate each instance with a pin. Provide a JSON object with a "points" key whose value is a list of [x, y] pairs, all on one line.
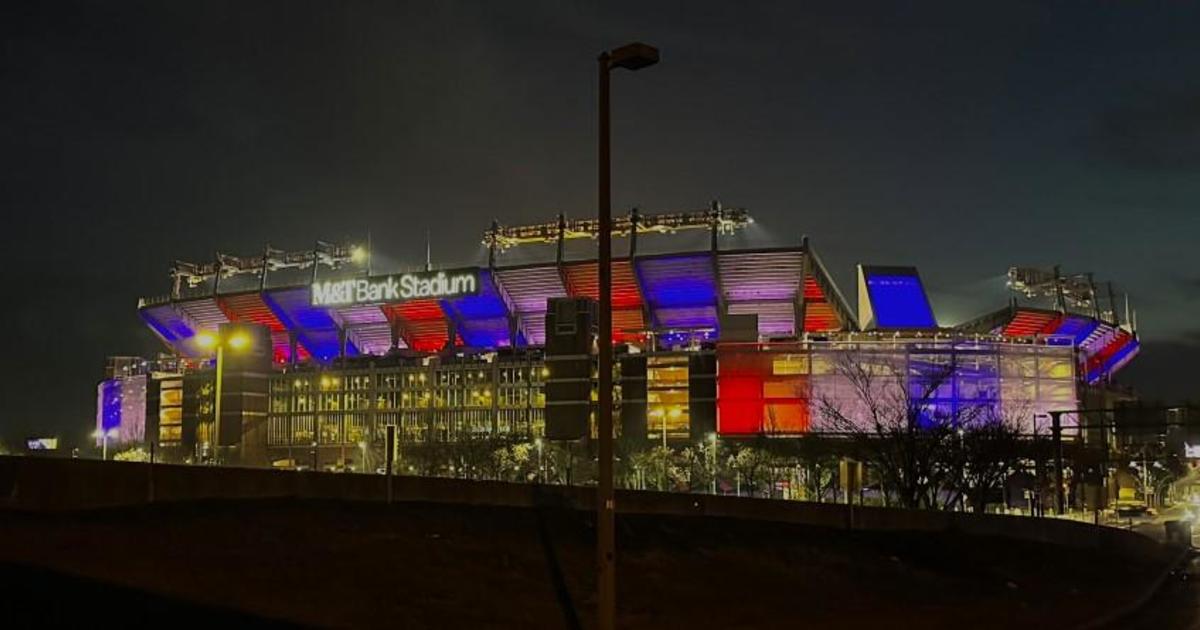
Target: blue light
{"points": [[681, 290], [899, 301], [167, 322], [678, 281], [1078, 328], [482, 319], [315, 328], [110, 404], [1113, 361]]}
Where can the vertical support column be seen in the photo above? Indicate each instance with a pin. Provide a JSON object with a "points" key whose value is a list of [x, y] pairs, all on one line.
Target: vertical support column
{"points": [[372, 409], [605, 508], [221, 264], [293, 348], [634, 221], [1056, 428], [394, 331], [562, 237], [801, 305], [1112, 304], [713, 252], [451, 331], [266, 266], [1060, 299], [389, 448], [341, 343], [495, 390]]}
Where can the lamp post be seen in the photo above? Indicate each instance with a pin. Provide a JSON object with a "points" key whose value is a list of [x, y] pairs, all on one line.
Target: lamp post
{"points": [[235, 341], [102, 435], [541, 465], [712, 460], [631, 57]]}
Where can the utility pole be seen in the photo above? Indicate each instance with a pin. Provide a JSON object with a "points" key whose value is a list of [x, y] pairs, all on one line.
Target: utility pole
{"points": [[631, 57], [1056, 428]]}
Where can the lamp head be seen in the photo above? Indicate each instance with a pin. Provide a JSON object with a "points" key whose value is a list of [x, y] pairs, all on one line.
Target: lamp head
{"points": [[206, 340], [633, 56], [239, 340]]}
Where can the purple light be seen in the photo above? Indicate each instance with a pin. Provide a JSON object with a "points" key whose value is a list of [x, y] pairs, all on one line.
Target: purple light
{"points": [[681, 290], [530, 288]]}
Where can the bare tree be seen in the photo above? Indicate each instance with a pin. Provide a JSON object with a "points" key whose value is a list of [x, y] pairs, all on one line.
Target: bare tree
{"points": [[896, 422], [989, 449]]}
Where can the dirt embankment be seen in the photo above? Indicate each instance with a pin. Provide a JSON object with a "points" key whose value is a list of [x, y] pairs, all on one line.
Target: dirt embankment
{"points": [[436, 566]]}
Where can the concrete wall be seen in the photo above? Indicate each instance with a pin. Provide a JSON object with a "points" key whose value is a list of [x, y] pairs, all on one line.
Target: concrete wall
{"points": [[72, 484]]}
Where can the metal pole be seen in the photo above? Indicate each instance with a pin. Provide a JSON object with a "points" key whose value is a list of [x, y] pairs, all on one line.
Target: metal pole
{"points": [[390, 447], [217, 403], [541, 462], [605, 508], [712, 462], [1056, 427]]}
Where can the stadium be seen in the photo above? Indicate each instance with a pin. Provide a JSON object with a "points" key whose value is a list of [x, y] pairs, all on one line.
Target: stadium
{"points": [[300, 358]]}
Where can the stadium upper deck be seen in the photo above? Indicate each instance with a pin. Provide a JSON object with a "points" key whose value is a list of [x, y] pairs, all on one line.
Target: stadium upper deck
{"points": [[659, 299]]}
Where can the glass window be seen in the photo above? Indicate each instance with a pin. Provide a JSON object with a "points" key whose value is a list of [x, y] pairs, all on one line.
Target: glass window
{"points": [[788, 364]]}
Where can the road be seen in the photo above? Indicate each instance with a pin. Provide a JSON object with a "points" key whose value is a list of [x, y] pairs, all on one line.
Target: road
{"points": [[1177, 605]]}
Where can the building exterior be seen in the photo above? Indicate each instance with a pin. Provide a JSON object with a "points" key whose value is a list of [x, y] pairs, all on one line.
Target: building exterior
{"points": [[741, 343]]}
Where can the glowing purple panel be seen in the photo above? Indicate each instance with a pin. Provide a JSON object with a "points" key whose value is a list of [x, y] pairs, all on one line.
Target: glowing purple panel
{"points": [[121, 409], [530, 288], [775, 319], [367, 327], [687, 317], [205, 313], [761, 276]]}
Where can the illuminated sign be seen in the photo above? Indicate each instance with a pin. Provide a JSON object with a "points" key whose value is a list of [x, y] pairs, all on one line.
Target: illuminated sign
{"points": [[398, 287], [42, 444]]}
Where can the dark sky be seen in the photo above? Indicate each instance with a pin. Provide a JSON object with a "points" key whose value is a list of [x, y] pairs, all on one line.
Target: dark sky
{"points": [[959, 138]]}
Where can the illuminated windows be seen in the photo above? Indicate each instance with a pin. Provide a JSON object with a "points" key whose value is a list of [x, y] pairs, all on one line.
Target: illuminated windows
{"points": [[667, 397], [170, 411]]}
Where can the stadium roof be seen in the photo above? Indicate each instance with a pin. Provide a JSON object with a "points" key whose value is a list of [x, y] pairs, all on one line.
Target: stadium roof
{"points": [[674, 296]]}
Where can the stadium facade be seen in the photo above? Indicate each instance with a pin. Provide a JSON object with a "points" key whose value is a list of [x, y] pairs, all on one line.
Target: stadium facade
{"points": [[736, 343]]}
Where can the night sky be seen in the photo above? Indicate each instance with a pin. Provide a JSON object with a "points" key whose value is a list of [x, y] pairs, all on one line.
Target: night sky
{"points": [[950, 136]]}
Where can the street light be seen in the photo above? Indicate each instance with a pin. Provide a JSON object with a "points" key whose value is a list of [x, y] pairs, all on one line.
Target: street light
{"points": [[541, 461], [103, 436], [236, 341], [633, 56], [712, 460]]}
